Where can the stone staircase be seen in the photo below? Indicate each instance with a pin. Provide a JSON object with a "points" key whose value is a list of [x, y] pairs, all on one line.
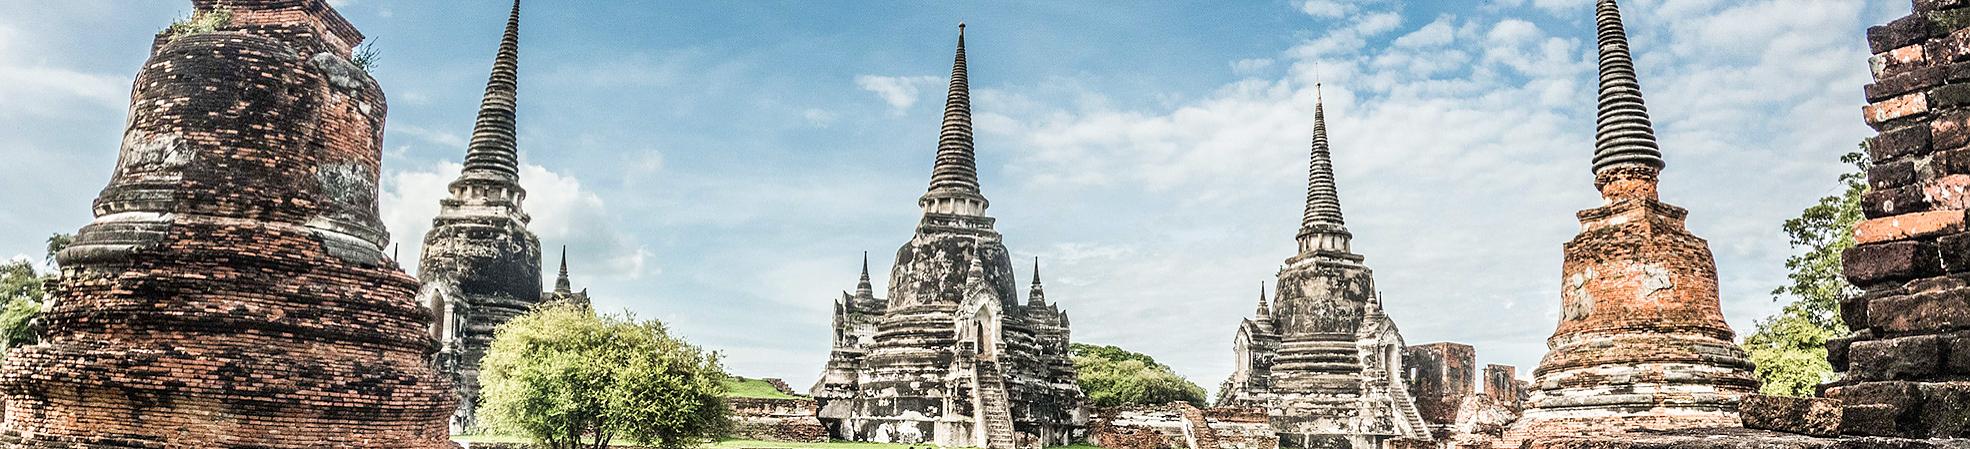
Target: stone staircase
{"points": [[1407, 407], [995, 409], [1201, 434]]}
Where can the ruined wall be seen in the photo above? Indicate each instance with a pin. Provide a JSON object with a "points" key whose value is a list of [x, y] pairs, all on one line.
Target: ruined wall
{"points": [[1502, 384], [1902, 371], [232, 291], [1440, 377], [776, 420], [1181, 426]]}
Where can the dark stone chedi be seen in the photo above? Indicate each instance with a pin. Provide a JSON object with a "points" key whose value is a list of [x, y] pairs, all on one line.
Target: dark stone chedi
{"points": [[1642, 343], [1322, 358], [480, 265], [951, 357], [232, 290]]}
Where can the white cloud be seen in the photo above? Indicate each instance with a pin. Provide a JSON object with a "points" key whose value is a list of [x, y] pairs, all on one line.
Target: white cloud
{"points": [[1466, 137], [564, 213], [818, 117], [900, 92], [1324, 8], [1250, 66]]}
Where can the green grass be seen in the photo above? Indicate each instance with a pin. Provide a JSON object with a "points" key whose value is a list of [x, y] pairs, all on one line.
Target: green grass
{"points": [[727, 444], [741, 387]]}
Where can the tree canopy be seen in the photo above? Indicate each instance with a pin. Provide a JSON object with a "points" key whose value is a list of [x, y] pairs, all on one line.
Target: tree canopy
{"points": [[568, 378], [1113, 376], [1789, 348]]}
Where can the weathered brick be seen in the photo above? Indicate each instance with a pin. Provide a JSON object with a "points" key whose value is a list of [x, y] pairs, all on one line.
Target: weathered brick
{"points": [[1897, 61], [1917, 80], [1905, 358], [1922, 6], [1881, 420], [1950, 130], [1898, 33], [1945, 410], [1909, 226], [1956, 357], [1891, 174], [1921, 312], [1837, 350], [1808, 416], [1885, 111], [1866, 264], [1888, 202], [1955, 251], [1899, 142]]}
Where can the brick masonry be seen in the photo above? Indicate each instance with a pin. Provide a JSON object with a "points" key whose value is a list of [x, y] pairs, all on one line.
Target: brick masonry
{"points": [[232, 290]]}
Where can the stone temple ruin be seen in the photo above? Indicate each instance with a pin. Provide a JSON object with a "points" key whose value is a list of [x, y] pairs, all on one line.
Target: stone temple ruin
{"points": [[480, 265], [1642, 343], [232, 290], [1443, 378], [951, 357], [1322, 358]]}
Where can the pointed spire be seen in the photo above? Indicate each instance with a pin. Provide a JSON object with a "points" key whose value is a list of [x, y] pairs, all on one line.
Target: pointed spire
{"points": [[1623, 133], [954, 178], [494, 149], [1321, 226], [976, 274], [1037, 295], [1264, 312], [562, 284], [865, 289]]}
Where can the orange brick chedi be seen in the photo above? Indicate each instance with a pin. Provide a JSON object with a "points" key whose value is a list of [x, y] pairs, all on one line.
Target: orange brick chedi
{"points": [[1642, 343], [232, 290]]}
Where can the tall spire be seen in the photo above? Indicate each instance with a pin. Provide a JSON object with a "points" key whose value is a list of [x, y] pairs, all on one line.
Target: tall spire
{"points": [[1264, 312], [1321, 226], [1037, 296], [561, 283], [865, 289], [954, 178], [1623, 133], [494, 149]]}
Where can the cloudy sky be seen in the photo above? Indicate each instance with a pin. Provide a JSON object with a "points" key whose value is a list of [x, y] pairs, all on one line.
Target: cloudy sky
{"points": [[722, 166]]}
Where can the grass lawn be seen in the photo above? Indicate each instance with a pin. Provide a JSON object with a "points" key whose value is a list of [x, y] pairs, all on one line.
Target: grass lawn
{"points": [[754, 388], [748, 444]]}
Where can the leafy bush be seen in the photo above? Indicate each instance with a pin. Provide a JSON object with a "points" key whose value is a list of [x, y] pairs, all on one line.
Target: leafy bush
{"points": [[1113, 376], [568, 378]]}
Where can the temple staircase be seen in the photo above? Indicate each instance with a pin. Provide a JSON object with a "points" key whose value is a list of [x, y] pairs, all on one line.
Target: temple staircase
{"points": [[1407, 407], [994, 409]]}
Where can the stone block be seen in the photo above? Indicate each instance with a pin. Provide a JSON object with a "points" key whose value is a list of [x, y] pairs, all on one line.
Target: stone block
{"points": [[1808, 416], [1955, 250], [1944, 411], [1885, 111], [1909, 226], [1867, 264], [1951, 162], [1899, 200], [1870, 419], [1947, 131], [1899, 142], [1956, 354], [1888, 175], [1924, 312], [1922, 6], [1897, 61], [1836, 352], [1898, 33], [1916, 80], [1904, 358]]}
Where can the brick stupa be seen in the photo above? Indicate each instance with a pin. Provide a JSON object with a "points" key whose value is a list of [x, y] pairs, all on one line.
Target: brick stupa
{"points": [[232, 291], [1642, 343]]}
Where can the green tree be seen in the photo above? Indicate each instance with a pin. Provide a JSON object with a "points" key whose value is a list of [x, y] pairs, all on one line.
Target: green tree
{"points": [[1789, 348], [1113, 376], [568, 379], [21, 293]]}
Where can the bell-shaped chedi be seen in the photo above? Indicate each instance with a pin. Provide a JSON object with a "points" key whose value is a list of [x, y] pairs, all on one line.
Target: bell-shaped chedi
{"points": [[232, 290], [1642, 342]]}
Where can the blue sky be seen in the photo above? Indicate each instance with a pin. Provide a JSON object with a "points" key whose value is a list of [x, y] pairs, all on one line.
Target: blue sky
{"points": [[722, 165]]}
